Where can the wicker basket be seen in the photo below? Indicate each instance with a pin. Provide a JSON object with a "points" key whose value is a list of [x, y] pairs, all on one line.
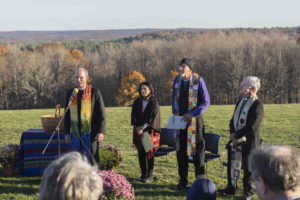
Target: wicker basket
{"points": [[49, 122]]}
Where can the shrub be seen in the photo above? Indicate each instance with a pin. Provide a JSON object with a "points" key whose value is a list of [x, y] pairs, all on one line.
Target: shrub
{"points": [[8, 154], [110, 157]]}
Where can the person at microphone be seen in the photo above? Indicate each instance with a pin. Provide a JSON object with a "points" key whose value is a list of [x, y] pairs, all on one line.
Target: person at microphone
{"points": [[190, 99], [246, 121], [85, 120]]}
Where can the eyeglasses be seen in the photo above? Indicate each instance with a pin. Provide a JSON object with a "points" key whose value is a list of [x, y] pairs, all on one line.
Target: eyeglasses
{"points": [[181, 66]]}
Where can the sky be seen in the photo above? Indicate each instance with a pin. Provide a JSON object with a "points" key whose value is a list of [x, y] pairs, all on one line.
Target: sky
{"points": [[41, 15]]}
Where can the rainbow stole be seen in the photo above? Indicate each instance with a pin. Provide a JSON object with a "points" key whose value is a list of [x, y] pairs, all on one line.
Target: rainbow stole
{"points": [[85, 113], [192, 103]]}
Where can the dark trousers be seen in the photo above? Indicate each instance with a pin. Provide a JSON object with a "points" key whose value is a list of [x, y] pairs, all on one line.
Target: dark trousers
{"points": [[247, 174], [198, 158], [146, 164], [95, 159]]}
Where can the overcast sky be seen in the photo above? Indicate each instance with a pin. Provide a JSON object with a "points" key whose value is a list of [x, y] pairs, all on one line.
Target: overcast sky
{"points": [[128, 14]]}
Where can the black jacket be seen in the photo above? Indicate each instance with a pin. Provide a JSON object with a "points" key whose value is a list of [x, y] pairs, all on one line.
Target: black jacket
{"points": [[251, 130], [151, 114], [97, 109]]}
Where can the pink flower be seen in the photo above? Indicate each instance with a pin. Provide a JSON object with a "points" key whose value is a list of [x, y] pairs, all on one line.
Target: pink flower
{"points": [[116, 185]]}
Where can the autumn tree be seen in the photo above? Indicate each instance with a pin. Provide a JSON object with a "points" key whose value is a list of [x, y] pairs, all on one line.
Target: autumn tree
{"points": [[3, 50], [128, 90], [169, 84], [77, 59]]}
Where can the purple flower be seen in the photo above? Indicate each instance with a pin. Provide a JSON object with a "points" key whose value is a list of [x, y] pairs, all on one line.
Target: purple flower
{"points": [[116, 186]]}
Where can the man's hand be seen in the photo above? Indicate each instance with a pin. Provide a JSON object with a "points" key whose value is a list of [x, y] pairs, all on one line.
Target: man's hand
{"points": [[187, 117], [68, 138], [232, 137], [99, 137], [234, 143], [233, 140]]}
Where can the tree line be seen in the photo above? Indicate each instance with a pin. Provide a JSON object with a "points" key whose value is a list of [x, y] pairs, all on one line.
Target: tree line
{"points": [[40, 76]]}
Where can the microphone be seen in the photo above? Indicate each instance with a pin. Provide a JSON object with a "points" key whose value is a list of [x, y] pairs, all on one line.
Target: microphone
{"points": [[75, 91]]}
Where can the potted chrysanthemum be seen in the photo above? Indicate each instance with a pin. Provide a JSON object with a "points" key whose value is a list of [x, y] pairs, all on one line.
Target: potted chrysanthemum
{"points": [[8, 158], [115, 186], [110, 157]]}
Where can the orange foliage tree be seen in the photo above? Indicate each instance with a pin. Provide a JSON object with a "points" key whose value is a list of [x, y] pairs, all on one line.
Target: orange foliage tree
{"points": [[78, 58], [128, 90], [169, 83], [3, 50]]}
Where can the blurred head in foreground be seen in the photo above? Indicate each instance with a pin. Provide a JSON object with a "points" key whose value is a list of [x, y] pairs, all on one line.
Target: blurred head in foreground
{"points": [[276, 172], [70, 177]]}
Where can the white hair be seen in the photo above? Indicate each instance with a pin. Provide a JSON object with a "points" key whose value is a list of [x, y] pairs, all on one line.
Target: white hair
{"points": [[82, 69], [252, 82], [71, 177]]}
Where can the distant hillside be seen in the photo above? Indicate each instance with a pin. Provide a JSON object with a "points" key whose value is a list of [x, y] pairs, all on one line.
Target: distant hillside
{"points": [[64, 36], [127, 34], [68, 36], [60, 36]]}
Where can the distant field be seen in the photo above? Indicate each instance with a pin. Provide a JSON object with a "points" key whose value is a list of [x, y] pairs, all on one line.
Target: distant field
{"points": [[281, 125]]}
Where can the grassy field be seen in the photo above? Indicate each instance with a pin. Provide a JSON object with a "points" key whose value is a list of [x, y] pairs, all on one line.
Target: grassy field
{"points": [[281, 125]]}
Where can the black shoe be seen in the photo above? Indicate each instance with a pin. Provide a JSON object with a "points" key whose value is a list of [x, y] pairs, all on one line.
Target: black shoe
{"points": [[141, 178], [180, 187], [148, 179], [227, 191]]}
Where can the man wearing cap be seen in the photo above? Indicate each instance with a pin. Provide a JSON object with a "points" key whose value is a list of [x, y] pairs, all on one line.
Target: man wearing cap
{"points": [[190, 99], [85, 120]]}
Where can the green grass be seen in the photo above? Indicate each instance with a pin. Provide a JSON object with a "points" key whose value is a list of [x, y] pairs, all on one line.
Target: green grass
{"points": [[281, 125]]}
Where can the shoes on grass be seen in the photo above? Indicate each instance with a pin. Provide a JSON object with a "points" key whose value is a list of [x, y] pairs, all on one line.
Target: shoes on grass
{"points": [[226, 191], [180, 187]]}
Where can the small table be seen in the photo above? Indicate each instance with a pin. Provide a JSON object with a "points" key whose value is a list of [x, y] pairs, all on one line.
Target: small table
{"points": [[31, 161]]}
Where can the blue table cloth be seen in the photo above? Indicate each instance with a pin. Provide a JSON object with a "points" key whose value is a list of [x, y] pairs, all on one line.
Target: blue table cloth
{"points": [[31, 161]]}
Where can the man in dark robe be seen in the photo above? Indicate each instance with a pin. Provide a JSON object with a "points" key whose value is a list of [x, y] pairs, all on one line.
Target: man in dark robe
{"points": [[246, 123], [190, 99], [85, 120]]}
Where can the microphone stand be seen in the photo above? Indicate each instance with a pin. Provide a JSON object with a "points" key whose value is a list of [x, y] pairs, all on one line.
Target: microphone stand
{"points": [[57, 128]]}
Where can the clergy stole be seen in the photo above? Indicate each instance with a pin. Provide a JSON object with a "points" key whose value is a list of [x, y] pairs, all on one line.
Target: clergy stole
{"points": [[81, 142], [239, 121], [192, 103]]}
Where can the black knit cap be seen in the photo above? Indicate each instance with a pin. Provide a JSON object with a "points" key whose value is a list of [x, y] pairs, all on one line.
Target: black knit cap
{"points": [[186, 61]]}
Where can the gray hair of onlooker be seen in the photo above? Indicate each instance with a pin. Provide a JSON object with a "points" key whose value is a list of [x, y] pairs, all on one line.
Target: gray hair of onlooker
{"points": [[277, 166], [82, 69], [251, 82], [70, 177]]}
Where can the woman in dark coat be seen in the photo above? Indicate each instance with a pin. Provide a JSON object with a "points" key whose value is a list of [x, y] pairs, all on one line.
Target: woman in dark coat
{"points": [[145, 118]]}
